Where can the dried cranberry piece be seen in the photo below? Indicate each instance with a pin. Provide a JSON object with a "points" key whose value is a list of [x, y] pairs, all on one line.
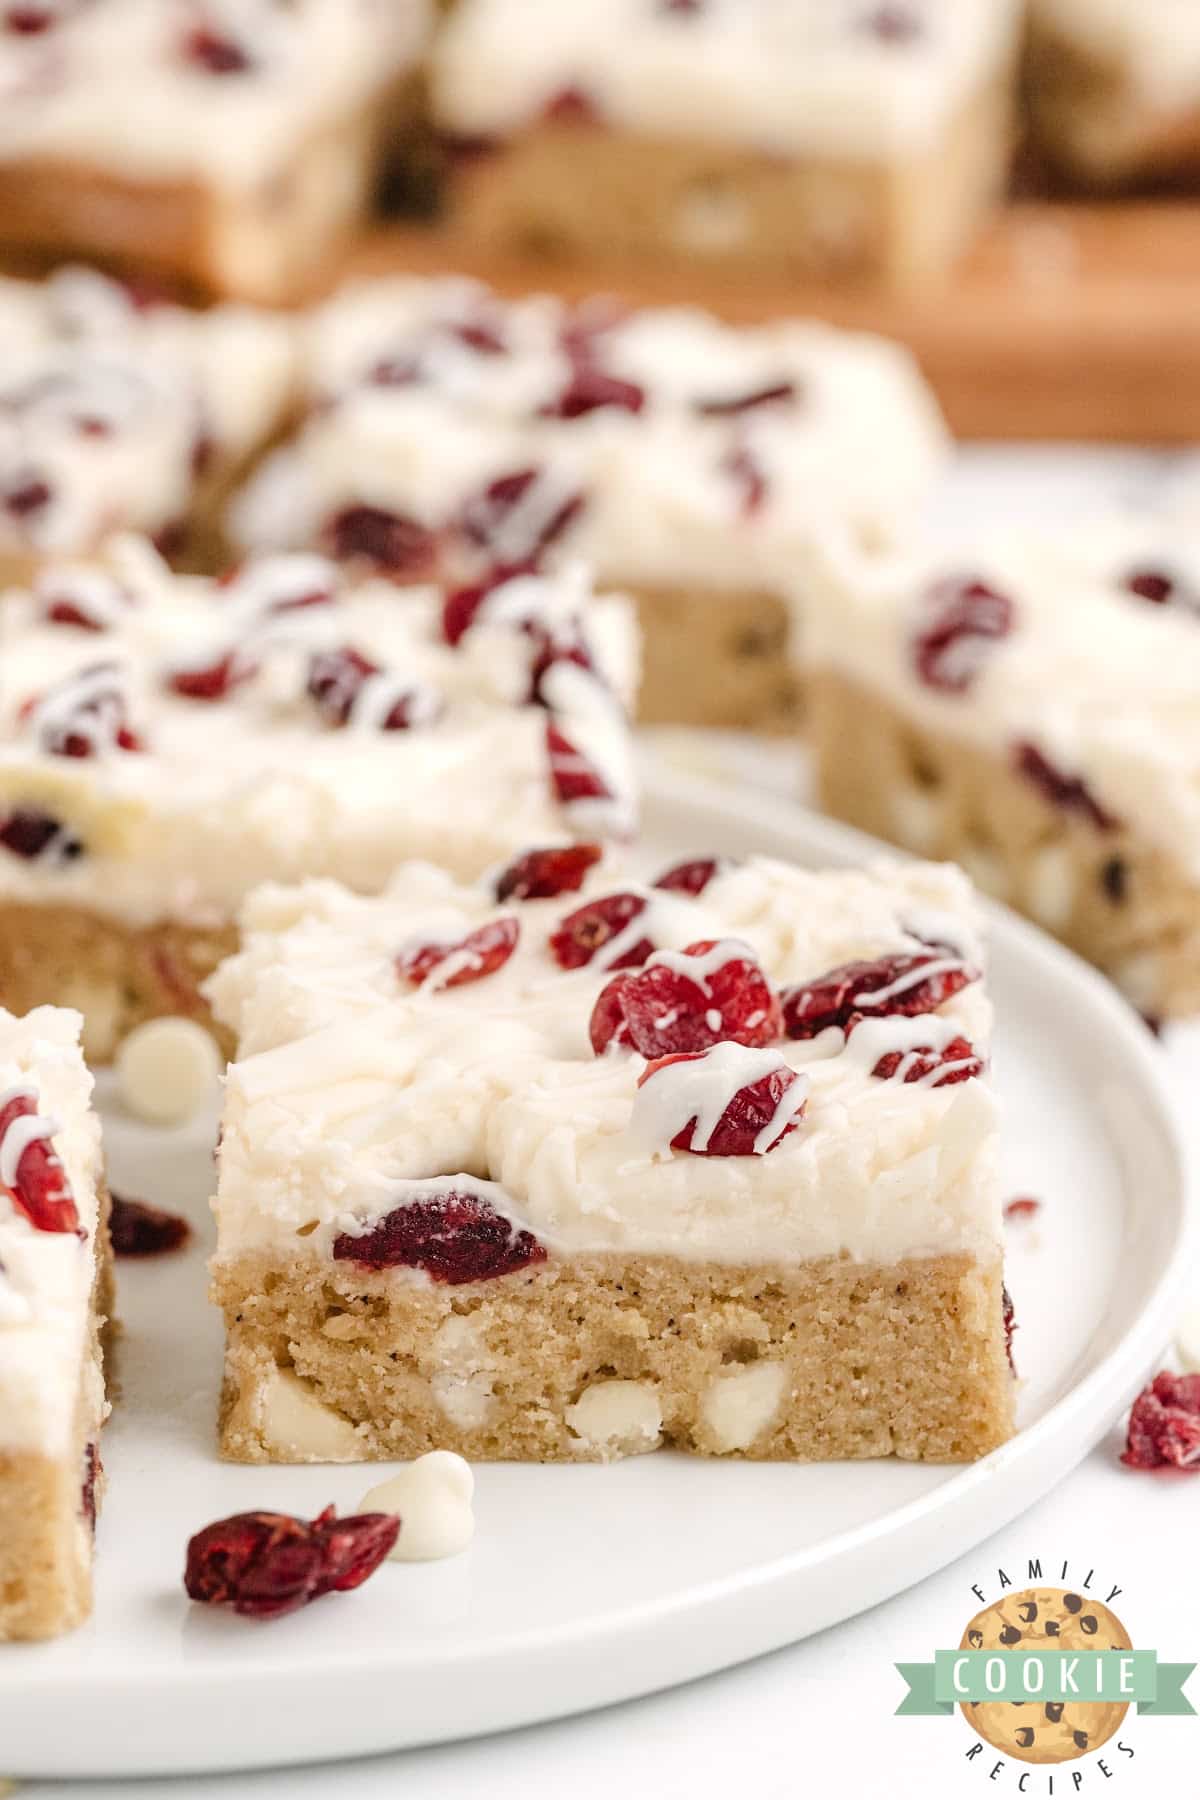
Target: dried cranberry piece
{"points": [[216, 54], [1070, 793], [1151, 584], [336, 679], [62, 609], [29, 833], [485, 516], [906, 984], [392, 542], [27, 497], [481, 335], [572, 775], [749, 1114], [588, 389], [267, 1564], [1023, 1207], [460, 607], [138, 1229], [214, 680], [455, 1237], [39, 1188], [29, 20], [544, 874], [93, 1468], [691, 877], [744, 468], [664, 1010], [1164, 1424], [958, 1059], [480, 953], [571, 106], [86, 715], [550, 653], [893, 23], [1010, 1325], [583, 933], [772, 395], [969, 615]]}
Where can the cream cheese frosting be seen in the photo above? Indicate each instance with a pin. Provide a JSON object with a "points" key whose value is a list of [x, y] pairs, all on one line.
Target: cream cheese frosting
{"points": [[855, 78], [151, 803], [115, 410], [46, 1276], [353, 1092], [1100, 679], [220, 92], [723, 448]]}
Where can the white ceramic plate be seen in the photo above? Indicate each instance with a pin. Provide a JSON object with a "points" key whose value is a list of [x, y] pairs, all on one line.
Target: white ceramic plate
{"points": [[589, 1585]]}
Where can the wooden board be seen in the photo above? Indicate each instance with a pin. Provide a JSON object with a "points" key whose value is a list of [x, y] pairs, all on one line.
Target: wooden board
{"points": [[1068, 320]]}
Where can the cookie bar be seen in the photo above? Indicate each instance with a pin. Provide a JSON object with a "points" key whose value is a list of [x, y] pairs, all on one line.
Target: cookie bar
{"points": [[686, 460], [167, 743], [120, 412], [1030, 707], [566, 1165], [55, 1299], [837, 136], [1114, 87], [231, 143]]}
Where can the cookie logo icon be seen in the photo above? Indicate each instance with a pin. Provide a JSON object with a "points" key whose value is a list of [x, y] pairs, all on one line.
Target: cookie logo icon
{"points": [[1059, 1727]]}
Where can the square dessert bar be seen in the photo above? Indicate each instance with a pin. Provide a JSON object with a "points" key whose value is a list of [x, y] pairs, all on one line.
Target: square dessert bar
{"points": [[1115, 87], [1031, 708], [55, 1299], [686, 460], [231, 143], [839, 136], [118, 412], [168, 742], [568, 1165]]}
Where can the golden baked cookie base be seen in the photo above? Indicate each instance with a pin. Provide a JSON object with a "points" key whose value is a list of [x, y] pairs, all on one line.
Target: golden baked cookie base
{"points": [[716, 657], [1125, 905], [906, 1360], [46, 1543]]}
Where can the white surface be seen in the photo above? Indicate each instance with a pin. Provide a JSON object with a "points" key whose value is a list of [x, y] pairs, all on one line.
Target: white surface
{"points": [[590, 1584]]}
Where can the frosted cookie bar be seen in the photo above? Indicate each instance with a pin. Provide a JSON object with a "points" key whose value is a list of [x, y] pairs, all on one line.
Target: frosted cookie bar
{"points": [[167, 743], [229, 142], [685, 459], [844, 136], [1031, 708], [1115, 86], [119, 412], [566, 1165], [55, 1298]]}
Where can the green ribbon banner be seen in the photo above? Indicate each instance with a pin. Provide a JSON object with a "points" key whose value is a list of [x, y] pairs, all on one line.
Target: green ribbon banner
{"points": [[955, 1676]]}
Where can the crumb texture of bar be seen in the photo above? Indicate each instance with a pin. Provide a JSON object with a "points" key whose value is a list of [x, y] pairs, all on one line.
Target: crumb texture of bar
{"points": [[1027, 708], [55, 1305], [596, 1165]]}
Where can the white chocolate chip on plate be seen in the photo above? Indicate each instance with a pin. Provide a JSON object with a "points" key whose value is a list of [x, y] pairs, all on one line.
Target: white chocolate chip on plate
{"points": [[433, 1498], [166, 1070]]}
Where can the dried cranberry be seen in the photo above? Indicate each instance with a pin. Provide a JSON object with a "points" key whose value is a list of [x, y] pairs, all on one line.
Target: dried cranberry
{"points": [[28, 20], [1010, 1325], [583, 933], [691, 877], [571, 106], [39, 1188], [460, 607], [664, 1009], [92, 1470], [267, 1564], [27, 497], [729, 408], [85, 716], [744, 468], [480, 953], [906, 984], [138, 1229], [968, 615], [543, 874], [1023, 1207], [392, 542], [589, 389], [958, 1059], [481, 335], [550, 653], [572, 776], [487, 517], [336, 679], [750, 1114], [1164, 1424], [214, 680], [1161, 589], [29, 833], [394, 372], [456, 1237], [893, 23], [215, 53], [1067, 792]]}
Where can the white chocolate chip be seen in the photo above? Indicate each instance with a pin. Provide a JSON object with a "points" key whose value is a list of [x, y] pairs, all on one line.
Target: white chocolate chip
{"points": [[433, 1498], [740, 1405], [166, 1069], [297, 1427], [1051, 886], [462, 1387], [618, 1417], [1187, 1340]]}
